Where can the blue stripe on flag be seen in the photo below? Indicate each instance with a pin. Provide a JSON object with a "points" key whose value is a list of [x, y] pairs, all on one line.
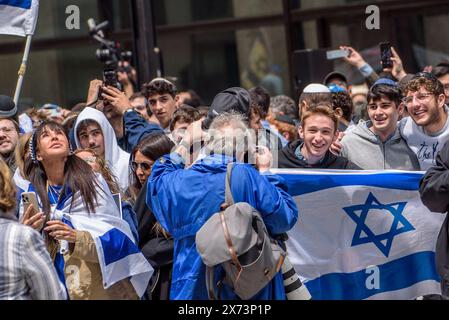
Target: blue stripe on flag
{"points": [[24, 4], [116, 246], [299, 184], [394, 275]]}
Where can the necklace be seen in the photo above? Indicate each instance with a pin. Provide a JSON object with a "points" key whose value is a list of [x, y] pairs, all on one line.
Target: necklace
{"points": [[54, 193]]}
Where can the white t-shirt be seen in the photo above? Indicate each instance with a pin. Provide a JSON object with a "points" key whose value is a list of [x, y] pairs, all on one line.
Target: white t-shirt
{"points": [[425, 146]]}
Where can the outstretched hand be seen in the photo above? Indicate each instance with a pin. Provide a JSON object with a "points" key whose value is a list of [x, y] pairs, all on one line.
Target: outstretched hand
{"points": [[354, 58]]}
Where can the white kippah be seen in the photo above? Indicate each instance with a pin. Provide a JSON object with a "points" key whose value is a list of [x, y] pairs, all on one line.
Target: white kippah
{"points": [[161, 79], [316, 88]]}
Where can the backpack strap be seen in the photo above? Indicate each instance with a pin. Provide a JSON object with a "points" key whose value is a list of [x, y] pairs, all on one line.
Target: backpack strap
{"points": [[210, 283], [229, 199]]}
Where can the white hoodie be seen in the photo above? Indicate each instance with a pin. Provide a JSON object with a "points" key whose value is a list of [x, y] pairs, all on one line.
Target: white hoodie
{"points": [[116, 158]]}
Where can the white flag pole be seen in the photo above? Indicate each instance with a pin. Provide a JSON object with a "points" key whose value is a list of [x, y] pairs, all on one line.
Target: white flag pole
{"points": [[22, 69]]}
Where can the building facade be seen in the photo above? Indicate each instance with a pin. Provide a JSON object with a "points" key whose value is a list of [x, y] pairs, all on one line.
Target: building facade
{"points": [[209, 45]]}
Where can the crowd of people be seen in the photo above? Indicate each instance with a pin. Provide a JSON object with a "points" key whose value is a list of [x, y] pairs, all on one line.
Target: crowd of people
{"points": [[125, 180]]}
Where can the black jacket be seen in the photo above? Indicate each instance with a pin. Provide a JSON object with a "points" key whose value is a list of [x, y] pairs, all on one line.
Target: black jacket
{"points": [[288, 159], [434, 190], [156, 248]]}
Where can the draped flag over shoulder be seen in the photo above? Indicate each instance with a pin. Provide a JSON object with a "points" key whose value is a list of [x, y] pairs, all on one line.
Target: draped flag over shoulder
{"points": [[362, 234], [18, 17], [118, 254]]}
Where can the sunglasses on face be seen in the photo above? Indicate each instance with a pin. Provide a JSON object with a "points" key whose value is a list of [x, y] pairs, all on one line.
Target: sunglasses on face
{"points": [[145, 166]]}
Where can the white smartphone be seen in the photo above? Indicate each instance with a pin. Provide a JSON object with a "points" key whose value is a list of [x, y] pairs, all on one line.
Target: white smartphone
{"points": [[29, 198], [336, 54]]}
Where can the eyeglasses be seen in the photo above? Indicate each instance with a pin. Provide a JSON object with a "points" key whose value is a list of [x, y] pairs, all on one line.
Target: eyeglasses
{"points": [[421, 97], [145, 166]]}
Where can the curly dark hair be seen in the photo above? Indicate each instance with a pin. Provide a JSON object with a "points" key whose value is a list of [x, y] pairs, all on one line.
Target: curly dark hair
{"points": [[159, 86], [426, 80], [343, 101], [184, 114], [260, 101]]}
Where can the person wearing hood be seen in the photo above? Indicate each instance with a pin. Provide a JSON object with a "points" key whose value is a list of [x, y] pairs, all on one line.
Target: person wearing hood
{"points": [[93, 130], [317, 132], [377, 144]]}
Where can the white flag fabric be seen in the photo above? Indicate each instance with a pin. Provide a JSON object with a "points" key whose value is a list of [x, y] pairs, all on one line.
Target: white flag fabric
{"points": [[118, 254], [362, 234], [18, 17]]}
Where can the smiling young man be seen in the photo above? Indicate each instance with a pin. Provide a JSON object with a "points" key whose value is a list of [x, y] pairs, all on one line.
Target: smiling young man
{"points": [[318, 131], [427, 128], [376, 144]]}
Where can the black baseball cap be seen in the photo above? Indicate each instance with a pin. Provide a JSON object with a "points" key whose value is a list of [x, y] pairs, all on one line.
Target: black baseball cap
{"points": [[334, 74], [8, 108], [233, 99]]}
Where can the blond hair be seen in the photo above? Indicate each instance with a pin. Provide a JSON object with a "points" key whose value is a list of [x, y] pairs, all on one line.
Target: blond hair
{"points": [[8, 189], [22, 152], [321, 109]]}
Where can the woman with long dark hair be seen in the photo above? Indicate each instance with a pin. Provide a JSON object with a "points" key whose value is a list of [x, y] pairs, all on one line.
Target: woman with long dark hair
{"points": [[155, 243], [91, 245], [27, 271]]}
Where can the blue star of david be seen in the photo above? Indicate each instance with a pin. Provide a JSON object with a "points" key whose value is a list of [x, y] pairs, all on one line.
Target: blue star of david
{"points": [[382, 241]]}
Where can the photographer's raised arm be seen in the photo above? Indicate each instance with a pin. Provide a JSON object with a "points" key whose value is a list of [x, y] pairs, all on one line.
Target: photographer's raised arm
{"points": [[398, 69], [134, 125], [92, 94], [355, 59], [117, 99]]}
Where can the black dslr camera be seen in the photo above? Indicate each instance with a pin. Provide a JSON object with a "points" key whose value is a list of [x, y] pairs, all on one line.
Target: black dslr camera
{"points": [[110, 54]]}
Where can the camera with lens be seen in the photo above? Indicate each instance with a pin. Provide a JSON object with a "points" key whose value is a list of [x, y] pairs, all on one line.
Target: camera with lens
{"points": [[110, 53]]}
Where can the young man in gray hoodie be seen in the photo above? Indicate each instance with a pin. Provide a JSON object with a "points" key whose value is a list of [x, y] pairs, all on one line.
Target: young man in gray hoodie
{"points": [[376, 144]]}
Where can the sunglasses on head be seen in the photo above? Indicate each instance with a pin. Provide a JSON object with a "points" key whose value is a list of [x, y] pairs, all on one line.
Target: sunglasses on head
{"points": [[145, 166], [426, 75]]}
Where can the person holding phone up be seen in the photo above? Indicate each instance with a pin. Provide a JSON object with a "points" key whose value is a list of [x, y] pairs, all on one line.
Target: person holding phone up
{"points": [[27, 269]]}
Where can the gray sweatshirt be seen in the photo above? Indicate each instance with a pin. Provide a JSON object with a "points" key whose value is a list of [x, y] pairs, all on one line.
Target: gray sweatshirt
{"points": [[365, 149]]}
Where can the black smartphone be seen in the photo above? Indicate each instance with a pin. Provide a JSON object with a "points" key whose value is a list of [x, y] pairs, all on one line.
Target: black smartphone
{"points": [[110, 78], [386, 55]]}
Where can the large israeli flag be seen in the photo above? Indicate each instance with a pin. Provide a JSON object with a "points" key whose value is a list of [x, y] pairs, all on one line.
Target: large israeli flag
{"points": [[362, 234], [18, 17]]}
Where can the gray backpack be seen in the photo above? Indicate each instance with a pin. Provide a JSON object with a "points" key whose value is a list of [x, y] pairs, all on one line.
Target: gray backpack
{"points": [[237, 238]]}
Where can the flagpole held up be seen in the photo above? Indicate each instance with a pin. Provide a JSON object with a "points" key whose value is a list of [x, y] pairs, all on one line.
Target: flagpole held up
{"points": [[22, 69]]}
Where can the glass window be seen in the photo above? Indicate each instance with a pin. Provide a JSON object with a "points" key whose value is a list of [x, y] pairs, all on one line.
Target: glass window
{"points": [[209, 63], [168, 12], [56, 76], [314, 4]]}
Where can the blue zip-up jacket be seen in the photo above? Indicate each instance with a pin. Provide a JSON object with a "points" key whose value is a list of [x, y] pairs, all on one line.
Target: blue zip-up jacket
{"points": [[183, 200], [134, 129]]}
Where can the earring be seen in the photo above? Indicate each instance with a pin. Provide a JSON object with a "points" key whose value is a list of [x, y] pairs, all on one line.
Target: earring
{"points": [[71, 152]]}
